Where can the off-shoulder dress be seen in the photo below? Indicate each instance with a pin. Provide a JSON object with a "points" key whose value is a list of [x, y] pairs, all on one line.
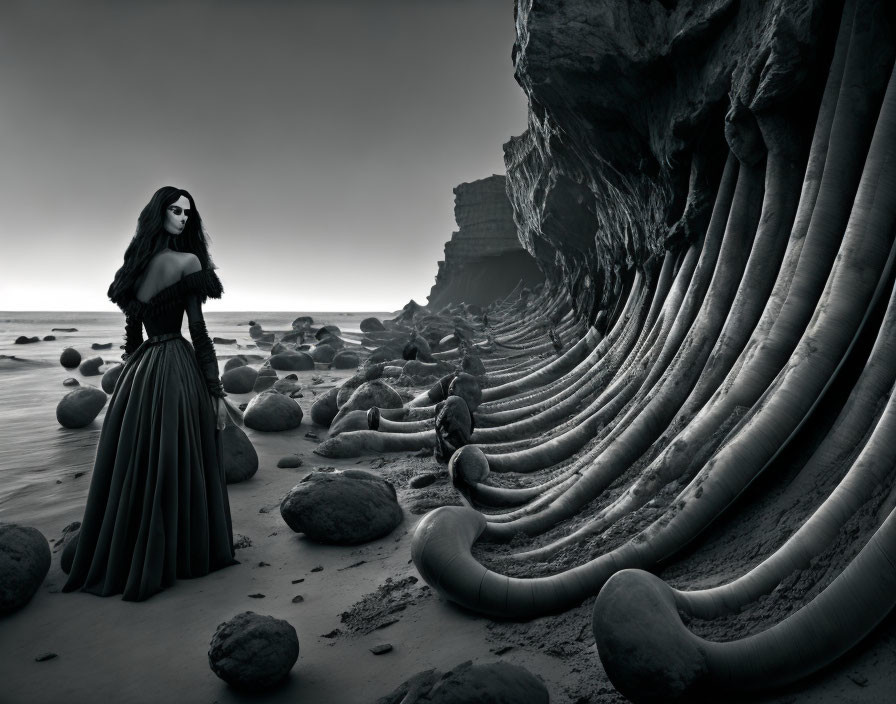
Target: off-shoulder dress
{"points": [[157, 509]]}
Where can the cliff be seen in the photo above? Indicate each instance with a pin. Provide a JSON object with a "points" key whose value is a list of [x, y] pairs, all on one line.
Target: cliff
{"points": [[484, 259], [630, 108]]}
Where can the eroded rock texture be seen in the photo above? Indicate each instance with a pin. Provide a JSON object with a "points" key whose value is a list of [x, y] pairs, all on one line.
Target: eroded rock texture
{"points": [[483, 260], [629, 107]]}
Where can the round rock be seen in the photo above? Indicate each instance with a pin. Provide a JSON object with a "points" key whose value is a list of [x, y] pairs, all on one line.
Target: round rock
{"points": [[71, 381], [91, 366], [240, 457], [323, 353], [324, 409], [239, 380], [272, 412], [239, 361], [328, 330], [253, 652], [24, 562], [287, 385], [292, 361], [289, 462], [346, 360], [67, 559], [70, 358], [80, 406], [496, 683], [372, 325], [110, 377], [342, 508], [266, 378], [369, 394]]}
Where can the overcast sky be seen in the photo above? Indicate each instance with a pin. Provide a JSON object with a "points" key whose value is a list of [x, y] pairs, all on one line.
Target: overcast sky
{"points": [[320, 138]]}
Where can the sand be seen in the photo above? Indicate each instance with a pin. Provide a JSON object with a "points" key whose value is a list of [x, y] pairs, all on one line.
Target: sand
{"points": [[353, 599]]}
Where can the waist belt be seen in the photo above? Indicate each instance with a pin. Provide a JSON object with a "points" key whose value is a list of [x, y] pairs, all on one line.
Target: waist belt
{"points": [[164, 337]]}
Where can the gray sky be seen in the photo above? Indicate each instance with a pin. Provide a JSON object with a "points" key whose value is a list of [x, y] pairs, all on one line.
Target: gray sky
{"points": [[320, 138]]}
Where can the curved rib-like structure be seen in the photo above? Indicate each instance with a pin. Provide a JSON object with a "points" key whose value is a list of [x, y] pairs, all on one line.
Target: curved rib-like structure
{"points": [[710, 188]]}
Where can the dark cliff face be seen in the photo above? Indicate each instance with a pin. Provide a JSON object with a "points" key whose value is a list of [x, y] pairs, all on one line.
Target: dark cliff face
{"points": [[632, 107], [484, 260]]}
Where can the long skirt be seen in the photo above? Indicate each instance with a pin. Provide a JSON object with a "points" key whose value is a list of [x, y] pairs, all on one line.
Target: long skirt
{"points": [[157, 509]]}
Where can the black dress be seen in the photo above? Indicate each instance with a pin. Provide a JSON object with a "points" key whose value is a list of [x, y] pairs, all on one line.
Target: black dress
{"points": [[158, 508]]}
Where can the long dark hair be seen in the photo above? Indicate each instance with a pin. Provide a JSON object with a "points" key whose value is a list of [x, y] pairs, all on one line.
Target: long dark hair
{"points": [[151, 237]]}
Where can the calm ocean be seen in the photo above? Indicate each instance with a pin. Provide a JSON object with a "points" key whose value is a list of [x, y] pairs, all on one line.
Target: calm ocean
{"points": [[39, 459]]}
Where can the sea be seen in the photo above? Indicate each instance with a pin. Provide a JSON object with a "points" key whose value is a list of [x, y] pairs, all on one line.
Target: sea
{"points": [[44, 468]]}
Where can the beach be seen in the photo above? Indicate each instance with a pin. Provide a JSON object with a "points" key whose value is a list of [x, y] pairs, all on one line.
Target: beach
{"points": [[342, 601]]}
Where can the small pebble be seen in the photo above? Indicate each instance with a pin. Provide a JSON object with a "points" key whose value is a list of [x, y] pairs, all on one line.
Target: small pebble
{"points": [[298, 599], [332, 634], [256, 596], [421, 480], [289, 462], [319, 568], [312, 436], [381, 648], [264, 564], [298, 581], [45, 656]]}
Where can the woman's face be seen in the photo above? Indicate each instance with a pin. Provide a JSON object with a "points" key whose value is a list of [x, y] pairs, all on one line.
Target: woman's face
{"points": [[176, 216]]}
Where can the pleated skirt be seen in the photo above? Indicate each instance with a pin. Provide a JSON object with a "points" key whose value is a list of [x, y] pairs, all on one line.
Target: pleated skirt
{"points": [[157, 509]]}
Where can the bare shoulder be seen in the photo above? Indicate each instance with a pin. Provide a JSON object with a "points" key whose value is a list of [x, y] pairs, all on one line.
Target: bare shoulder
{"points": [[189, 263], [164, 270]]}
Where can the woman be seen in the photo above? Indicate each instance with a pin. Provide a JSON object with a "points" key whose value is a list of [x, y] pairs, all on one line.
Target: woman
{"points": [[157, 508]]}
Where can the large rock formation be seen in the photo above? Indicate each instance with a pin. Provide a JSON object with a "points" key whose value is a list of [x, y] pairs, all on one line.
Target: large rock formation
{"points": [[484, 260], [629, 108]]}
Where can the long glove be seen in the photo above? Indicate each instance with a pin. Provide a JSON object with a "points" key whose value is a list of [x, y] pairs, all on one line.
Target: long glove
{"points": [[205, 355], [133, 336]]}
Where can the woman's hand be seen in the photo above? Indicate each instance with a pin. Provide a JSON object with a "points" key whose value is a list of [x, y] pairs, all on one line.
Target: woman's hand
{"points": [[220, 412]]}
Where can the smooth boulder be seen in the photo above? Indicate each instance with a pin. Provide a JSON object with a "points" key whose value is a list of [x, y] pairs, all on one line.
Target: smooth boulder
{"points": [[70, 358], [91, 366], [80, 406], [372, 325], [271, 412], [345, 359], [288, 385], [495, 683], [252, 651], [239, 361], [324, 409], [323, 353], [292, 361], [266, 378], [239, 380], [342, 508], [24, 562], [240, 457], [328, 330], [67, 559], [369, 394], [110, 377]]}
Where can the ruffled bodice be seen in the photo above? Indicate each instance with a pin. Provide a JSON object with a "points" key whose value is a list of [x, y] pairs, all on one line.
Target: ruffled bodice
{"points": [[164, 312]]}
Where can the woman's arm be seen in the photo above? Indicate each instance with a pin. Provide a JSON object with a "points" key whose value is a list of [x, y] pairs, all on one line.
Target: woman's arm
{"points": [[133, 335], [205, 350]]}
